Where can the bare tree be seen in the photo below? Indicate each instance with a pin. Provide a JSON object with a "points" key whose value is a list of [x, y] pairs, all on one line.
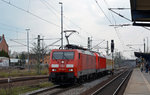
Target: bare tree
{"points": [[39, 52]]}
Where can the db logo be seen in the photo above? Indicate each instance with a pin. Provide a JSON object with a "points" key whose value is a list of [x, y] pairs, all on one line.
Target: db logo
{"points": [[62, 65]]}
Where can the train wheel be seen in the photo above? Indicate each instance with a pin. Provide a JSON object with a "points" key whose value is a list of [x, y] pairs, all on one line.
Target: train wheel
{"points": [[80, 80]]}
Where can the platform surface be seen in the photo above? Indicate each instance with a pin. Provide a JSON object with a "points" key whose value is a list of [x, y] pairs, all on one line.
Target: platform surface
{"points": [[139, 83]]}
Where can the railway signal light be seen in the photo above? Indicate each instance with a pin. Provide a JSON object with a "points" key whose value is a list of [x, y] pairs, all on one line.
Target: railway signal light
{"points": [[112, 45]]}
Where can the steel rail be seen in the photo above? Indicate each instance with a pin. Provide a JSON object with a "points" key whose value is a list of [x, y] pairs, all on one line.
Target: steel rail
{"points": [[98, 90], [41, 90], [10, 80], [119, 87], [51, 90]]}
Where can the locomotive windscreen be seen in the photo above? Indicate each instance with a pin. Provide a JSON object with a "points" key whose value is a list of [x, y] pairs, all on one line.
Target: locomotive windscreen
{"points": [[63, 55]]}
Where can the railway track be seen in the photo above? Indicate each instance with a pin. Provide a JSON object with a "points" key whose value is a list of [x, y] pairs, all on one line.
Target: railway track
{"points": [[41, 90], [58, 89], [54, 90], [19, 79], [116, 86]]}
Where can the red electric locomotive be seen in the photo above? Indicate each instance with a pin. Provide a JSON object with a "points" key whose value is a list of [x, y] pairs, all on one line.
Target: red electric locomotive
{"points": [[74, 65]]}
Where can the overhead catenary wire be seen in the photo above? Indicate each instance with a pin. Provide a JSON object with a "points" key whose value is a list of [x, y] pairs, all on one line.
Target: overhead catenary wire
{"points": [[120, 15], [48, 7], [17, 34], [103, 11], [120, 8], [28, 5], [111, 9], [24, 45], [10, 30], [16, 46], [31, 14], [127, 18], [54, 11], [110, 21], [110, 13], [98, 44], [9, 3], [18, 42], [10, 26], [65, 17], [53, 43], [24, 39], [117, 33]]}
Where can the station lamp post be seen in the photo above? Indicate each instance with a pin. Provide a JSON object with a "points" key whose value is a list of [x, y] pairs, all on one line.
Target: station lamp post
{"points": [[61, 24], [28, 46]]}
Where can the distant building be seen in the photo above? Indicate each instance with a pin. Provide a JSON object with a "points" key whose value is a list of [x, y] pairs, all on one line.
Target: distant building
{"points": [[4, 62], [3, 44], [46, 59], [33, 59], [14, 61]]}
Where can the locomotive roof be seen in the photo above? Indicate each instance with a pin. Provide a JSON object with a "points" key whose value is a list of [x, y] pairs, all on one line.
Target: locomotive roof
{"points": [[81, 49], [100, 54], [70, 46]]}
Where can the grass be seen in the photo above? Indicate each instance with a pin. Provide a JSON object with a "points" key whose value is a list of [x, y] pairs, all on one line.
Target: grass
{"points": [[24, 89], [16, 73]]}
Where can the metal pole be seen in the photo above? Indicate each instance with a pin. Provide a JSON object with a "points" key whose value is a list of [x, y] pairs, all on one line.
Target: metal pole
{"points": [[38, 41], [112, 63], [107, 49], [43, 50], [112, 51], [91, 44], [144, 45], [28, 47], [61, 24], [147, 44]]}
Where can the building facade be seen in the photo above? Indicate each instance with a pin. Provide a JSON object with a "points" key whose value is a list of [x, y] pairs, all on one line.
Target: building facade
{"points": [[3, 44], [33, 59]]}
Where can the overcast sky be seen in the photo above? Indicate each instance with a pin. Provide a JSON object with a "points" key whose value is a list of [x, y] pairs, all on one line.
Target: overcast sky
{"points": [[84, 16]]}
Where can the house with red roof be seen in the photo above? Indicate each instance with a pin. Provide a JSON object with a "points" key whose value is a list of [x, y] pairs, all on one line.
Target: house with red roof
{"points": [[3, 44], [4, 57]]}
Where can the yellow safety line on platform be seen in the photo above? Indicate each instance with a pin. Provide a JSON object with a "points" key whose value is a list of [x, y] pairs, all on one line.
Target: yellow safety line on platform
{"points": [[145, 80]]}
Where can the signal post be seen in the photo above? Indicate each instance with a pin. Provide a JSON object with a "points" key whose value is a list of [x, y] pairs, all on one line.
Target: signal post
{"points": [[112, 51]]}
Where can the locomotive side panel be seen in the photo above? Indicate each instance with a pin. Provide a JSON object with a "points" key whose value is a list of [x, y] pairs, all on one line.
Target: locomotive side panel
{"points": [[102, 63], [97, 61], [88, 65]]}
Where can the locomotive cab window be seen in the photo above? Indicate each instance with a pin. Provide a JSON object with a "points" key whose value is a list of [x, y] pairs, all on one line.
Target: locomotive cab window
{"points": [[63, 55]]}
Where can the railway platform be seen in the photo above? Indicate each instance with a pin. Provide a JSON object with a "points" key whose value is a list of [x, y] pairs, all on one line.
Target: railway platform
{"points": [[139, 83]]}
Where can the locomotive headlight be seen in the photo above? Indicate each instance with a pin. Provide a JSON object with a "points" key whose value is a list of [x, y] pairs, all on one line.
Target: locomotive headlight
{"points": [[53, 69], [70, 69], [55, 65], [69, 65]]}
